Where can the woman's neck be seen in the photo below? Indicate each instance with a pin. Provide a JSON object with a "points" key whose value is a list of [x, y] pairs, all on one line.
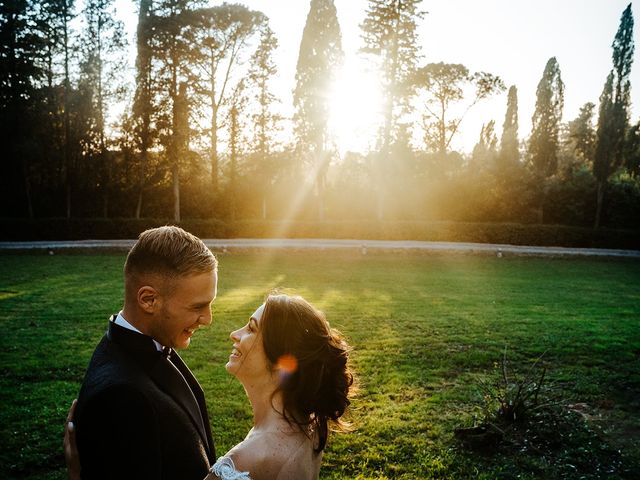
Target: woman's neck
{"points": [[266, 405]]}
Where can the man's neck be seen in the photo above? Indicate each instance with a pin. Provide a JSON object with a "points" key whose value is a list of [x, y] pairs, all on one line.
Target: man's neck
{"points": [[131, 320], [130, 316]]}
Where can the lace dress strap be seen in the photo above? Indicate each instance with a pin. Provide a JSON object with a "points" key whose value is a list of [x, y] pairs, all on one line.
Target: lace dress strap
{"points": [[225, 469]]}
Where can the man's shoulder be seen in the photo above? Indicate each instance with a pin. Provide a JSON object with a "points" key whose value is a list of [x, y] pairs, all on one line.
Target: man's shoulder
{"points": [[110, 367]]}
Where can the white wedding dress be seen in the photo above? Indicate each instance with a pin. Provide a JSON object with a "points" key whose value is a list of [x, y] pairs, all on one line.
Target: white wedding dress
{"points": [[225, 469]]}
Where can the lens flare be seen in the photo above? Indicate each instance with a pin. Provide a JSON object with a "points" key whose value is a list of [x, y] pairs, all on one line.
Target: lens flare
{"points": [[287, 364]]}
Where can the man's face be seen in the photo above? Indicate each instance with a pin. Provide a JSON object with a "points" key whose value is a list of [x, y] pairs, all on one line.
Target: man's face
{"points": [[184, 308]]}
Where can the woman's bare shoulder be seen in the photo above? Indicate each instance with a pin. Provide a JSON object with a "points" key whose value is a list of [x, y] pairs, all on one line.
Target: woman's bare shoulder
{"points": [[274, 455]]}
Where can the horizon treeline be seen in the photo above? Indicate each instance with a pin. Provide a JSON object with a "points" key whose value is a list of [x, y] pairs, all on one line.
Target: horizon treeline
{"points": [[196, 132]]}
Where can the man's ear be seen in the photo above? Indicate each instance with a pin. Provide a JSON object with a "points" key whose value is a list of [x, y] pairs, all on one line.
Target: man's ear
{"points": [[148, 299]]}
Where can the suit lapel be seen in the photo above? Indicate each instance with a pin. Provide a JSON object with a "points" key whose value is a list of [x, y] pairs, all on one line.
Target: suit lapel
{"points": [[196, 389], [167, 376]]}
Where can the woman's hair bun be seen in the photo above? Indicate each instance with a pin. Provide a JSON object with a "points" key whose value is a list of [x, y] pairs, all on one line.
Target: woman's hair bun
{"points": [[320, 387]]}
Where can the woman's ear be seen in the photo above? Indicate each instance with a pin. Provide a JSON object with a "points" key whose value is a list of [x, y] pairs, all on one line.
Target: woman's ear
{"points": [[148, 299]]}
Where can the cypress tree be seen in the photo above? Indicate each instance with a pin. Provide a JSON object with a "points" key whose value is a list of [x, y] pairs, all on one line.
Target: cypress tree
{"points": [[543, 145], [509, 153], [613, 115], [320, 56]]}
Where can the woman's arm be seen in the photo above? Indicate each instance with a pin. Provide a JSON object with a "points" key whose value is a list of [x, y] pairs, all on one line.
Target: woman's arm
{"points": [[71, 457]]}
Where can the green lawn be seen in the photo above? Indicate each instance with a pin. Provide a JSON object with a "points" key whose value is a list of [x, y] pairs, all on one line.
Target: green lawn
{"points": [[425, 328]]}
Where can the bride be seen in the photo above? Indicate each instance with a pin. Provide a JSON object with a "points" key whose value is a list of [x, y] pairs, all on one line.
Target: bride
{"points": [[294, 369]]}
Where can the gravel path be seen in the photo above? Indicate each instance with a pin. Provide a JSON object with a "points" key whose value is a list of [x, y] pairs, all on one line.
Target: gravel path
{"points": [[363, 246]]}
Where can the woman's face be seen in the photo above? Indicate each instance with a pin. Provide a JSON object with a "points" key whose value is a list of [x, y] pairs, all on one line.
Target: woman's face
{"points": [[248, 361]]}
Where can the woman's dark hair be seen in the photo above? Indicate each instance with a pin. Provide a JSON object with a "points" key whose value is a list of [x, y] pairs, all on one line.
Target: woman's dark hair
{"points": [[312, 358]]}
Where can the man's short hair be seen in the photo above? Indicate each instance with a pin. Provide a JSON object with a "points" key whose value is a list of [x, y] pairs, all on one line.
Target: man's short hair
{"points": [[170, 252]]}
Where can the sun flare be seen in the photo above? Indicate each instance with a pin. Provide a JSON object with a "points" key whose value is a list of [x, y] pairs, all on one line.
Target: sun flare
{"points": [[355, 109]]}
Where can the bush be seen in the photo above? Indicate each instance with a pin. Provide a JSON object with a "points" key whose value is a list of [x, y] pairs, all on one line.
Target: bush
{"points": [[500, 233], [109, 228]]}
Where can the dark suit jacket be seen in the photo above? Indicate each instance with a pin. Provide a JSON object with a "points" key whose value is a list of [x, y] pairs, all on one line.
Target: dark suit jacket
{"points": [[141, 415]]}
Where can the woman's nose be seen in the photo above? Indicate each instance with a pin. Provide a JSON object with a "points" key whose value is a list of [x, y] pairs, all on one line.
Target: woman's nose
{"points": [[234, 336]]}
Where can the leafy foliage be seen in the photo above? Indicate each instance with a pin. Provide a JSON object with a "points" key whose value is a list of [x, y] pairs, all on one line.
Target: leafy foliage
{"points": [[544, 141], [445, 85]]}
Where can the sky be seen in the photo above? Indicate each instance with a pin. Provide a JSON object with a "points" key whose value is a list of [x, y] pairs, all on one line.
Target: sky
{"points": [[509, 38]]}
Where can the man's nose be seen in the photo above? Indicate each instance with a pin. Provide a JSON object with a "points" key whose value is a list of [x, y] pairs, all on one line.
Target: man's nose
{"points": [[206, 318]]}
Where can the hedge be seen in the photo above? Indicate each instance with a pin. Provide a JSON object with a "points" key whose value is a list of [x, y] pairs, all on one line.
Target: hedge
{"points": [[502, 233]]}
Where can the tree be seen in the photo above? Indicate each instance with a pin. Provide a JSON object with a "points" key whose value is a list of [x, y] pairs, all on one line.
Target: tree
{"points": [[224, 34], [179, 146], [509, 151], [605, 144], [632, 151], [236, 124], [390, 36], [102, 66], [613, 115], [174, 47], [66, 15], [265, 121], [389, 32], [444, 85], [142, 101], [20, 42], [544, 141], [486, 150], [319, 57], [582, 135], [623, 48]]}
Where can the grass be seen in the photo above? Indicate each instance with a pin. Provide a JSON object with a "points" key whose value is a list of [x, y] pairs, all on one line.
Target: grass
{"points": [[426, 330]]}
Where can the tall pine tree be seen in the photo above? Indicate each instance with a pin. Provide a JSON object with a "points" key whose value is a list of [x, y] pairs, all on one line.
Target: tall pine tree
{"points": [[20, 42], [318, 60], [582, 135], [623, 48], [142, 101], [605, 144], [544, 141], [102, 68], [390, 35], [613, 115], [509, 152]]}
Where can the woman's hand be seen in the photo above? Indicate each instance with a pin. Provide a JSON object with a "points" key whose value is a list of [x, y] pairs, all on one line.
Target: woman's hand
{"points": [[71, 455]]}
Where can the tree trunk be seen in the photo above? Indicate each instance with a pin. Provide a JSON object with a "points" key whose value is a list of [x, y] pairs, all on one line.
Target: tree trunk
{"points": [[599, 200], [176, 192], [321, 195], [105, 183], [67, 119], [213, 148], [143, 80], [141, 180], [139, 204], [27, 188]]}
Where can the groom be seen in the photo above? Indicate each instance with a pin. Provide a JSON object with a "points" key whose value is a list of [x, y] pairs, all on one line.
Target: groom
{"points": [[141, 414]]}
